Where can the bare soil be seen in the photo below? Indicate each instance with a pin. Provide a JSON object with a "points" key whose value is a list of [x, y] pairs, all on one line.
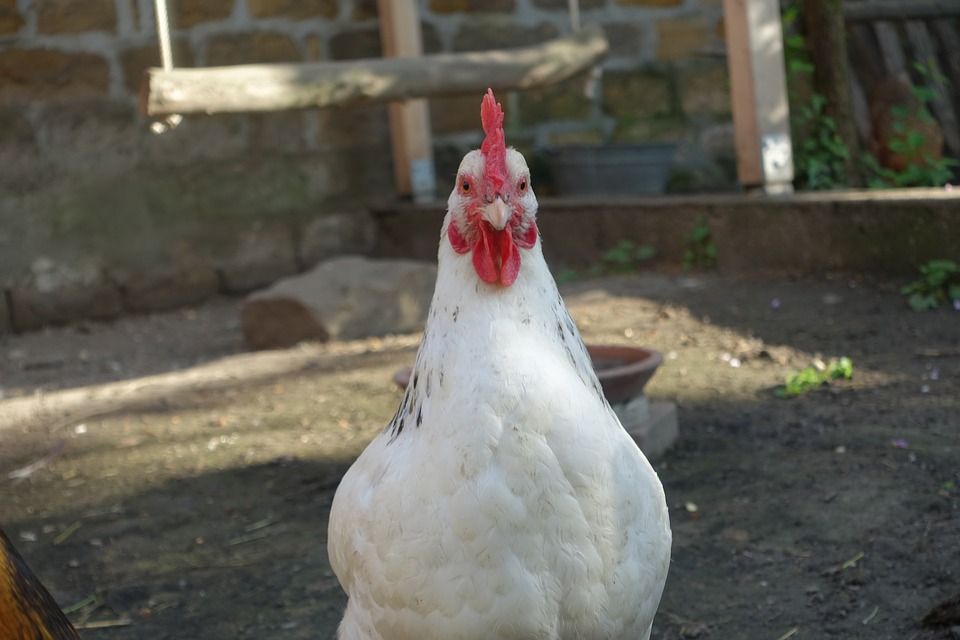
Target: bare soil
{"points": [[186, 484]]}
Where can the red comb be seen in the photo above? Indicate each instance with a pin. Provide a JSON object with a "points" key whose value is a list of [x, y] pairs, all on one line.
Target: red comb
{"points": [[494, 146]]}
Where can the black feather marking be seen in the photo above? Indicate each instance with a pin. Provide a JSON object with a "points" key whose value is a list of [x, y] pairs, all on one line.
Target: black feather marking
{"points": [[416, 378], [440, 377], [559, 330], [570, 356], [426, 388], [400, 426], [456, 312], [420, 415]]}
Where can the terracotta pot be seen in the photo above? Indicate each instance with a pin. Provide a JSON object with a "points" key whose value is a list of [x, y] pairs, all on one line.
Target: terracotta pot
{"points": [[623, 371]]}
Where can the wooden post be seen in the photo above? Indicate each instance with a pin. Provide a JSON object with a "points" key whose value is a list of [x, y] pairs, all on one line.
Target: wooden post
{"points": [[761, 113], [409, 120]]}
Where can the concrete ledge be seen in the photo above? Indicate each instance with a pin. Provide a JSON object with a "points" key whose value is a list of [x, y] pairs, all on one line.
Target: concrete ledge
{"points": [[888, 232], [880, 232]]}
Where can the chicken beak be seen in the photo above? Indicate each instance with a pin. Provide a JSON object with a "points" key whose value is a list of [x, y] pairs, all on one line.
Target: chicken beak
{"points": [[497, 213]]}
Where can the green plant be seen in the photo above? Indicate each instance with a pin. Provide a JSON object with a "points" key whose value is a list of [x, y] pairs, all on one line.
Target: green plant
{"points": [[701, 252], [939, 282], [921, 168], [799, 382], [625, 257], [818, 151]]}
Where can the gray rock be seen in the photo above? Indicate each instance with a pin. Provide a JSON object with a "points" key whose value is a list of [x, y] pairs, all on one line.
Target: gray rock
{"points": [[58, 293], [344, 299]]}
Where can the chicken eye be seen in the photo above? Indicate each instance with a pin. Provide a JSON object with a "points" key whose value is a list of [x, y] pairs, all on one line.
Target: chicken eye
{"points": [[522, 187], [465, 185]]}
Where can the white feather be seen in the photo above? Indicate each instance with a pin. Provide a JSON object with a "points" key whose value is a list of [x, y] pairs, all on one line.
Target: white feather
{"points": [[504, 500]]}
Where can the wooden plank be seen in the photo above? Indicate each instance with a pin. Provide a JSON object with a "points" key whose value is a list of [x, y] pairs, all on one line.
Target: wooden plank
{"points": [[941, 105], [899, 10], [949, 36], [893, 58], [273, 87], [412, 145]]}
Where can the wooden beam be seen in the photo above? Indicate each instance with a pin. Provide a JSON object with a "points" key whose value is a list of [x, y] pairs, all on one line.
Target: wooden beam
{"points": [[409, 120], [899, 10], [273, 87], [761, 113]]}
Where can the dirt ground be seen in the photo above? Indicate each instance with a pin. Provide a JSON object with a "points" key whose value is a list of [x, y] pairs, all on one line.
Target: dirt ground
{"points": [[185, 485]]}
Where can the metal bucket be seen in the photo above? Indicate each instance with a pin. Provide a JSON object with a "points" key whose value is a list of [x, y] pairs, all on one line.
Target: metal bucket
{"points": [[626, 169]]}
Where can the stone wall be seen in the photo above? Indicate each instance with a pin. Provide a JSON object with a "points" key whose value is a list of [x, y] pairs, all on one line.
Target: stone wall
{"points": [[99, 215]]}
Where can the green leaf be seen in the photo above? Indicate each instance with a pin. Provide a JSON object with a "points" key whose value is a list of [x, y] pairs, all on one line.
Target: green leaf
{"points": [[842, 368], [921, 302], [953, 292]]}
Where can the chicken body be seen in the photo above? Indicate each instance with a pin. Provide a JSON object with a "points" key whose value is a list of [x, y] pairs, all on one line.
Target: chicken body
{"points": [[27, 610], [504, 500]]}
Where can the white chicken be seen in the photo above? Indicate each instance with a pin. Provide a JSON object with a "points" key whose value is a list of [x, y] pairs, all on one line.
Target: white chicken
{"points": [[503, 500]]}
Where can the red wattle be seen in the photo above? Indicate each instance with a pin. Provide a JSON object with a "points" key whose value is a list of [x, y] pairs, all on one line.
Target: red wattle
{"points": [[484, 254], [457, 241], [509, 257], [529, 237], [495, 255]]}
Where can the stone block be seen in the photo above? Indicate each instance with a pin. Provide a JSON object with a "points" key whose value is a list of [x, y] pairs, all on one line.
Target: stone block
{"points": [[256, 258], [355, 127], [19, 153], [682, 38], [169, 287], [625, 38], [75, 16], [456, 114], [483, 35], [33, 75], [650, 3], [564, 5], [666, 128], [295, 9], [356, 44], [472, 6], [337, 234], [564, 100], [638, 93], [10, 19], [705, 89], [341, 299], [90, 138], [191, 12], [280, 131], [136, 60], [59, 293], [365, 9], [195, 140], [249, 48]]}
